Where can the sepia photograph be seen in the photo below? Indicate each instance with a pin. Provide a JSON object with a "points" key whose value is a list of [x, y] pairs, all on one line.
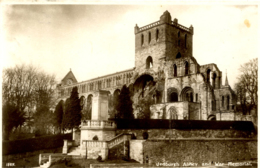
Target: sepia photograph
{"points": [[129, 85]]}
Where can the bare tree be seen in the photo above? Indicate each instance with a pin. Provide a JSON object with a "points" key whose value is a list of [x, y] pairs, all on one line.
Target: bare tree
{"points": [[18, 84], [26, 89], [247, 86]]}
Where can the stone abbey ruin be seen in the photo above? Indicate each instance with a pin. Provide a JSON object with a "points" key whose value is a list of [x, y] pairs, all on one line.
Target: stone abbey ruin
{"points": [[179, 88]]}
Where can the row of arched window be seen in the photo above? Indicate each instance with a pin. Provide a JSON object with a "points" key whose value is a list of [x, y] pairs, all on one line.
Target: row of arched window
{"points": [[150, 37], [157, 37], [175, 69], [106, 83], [188, 96]]}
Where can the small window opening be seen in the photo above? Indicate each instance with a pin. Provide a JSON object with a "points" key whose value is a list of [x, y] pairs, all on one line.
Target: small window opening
{"points": [[191, 97], [178, 55], [173, 97], [186, 68], [208, 75], [223, 101], [157, 34], [185, 40], [214, 80], [142, 39], [227, 102], [149, 37], [175, 70], [149, 62]]}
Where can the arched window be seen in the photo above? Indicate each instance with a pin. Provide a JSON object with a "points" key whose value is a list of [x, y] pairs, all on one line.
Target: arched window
{"points": [[196, 97], [185, 40], [228, 102], [223, 101], [187, 94], [142, 39], [82, 102], [99, 85], [179, 34], [157, 34], [149, 37], [191, 97], [214, 80], [174, 70], [173, 97], [149, 62], [208, 75], [178, 55], [186, 68], [89, 107]]}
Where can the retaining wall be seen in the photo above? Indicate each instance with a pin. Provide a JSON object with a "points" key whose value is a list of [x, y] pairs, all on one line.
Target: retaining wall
{"points": [[198, 151]]}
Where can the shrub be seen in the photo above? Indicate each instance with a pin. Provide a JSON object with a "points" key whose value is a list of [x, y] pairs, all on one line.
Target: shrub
{"points": [[133, 136], [145, 135], [99, 158], [95, 138], [183, 124], [33, 144]]}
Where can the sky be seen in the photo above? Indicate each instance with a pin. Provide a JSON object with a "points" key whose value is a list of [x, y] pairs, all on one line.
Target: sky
{"points": [[95, 40]]}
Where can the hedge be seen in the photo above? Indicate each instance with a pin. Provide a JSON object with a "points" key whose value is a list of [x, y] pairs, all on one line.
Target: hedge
{"points": [[183, 124], [33, 144]]}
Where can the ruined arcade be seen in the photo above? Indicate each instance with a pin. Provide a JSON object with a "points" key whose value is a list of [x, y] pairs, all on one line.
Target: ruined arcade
{"points": [[166, 70], [180, 89]]}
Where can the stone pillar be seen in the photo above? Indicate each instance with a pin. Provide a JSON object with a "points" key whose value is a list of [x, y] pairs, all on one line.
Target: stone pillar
{"points": [[65, 147], [49, 159], [83, 149], [217, 83], [100, 105], [104, 151], [40, 159]]}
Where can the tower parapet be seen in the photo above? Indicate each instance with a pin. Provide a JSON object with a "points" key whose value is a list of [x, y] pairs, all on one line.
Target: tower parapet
{"points": [[164, 19]]}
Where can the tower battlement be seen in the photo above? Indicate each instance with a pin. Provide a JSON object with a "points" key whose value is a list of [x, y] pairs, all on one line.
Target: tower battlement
{"points": [[165, 18]]}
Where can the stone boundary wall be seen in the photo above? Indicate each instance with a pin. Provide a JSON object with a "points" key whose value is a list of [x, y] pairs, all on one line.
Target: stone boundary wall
{"points": [[194, 133], [198, 152]]}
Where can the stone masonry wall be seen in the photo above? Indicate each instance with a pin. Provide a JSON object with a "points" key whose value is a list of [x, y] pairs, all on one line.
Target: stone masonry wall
{"points": [[199, 151], [136, 150], [174, 133], [119, 151]]}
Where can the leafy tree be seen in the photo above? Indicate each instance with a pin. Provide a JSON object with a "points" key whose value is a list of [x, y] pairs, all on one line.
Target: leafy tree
{"points": [[111, 107], [143, 107], [58, 113], [247, 87], [66, 113], [72, 116], [124, 105], [12, 118], [44, 100]]}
